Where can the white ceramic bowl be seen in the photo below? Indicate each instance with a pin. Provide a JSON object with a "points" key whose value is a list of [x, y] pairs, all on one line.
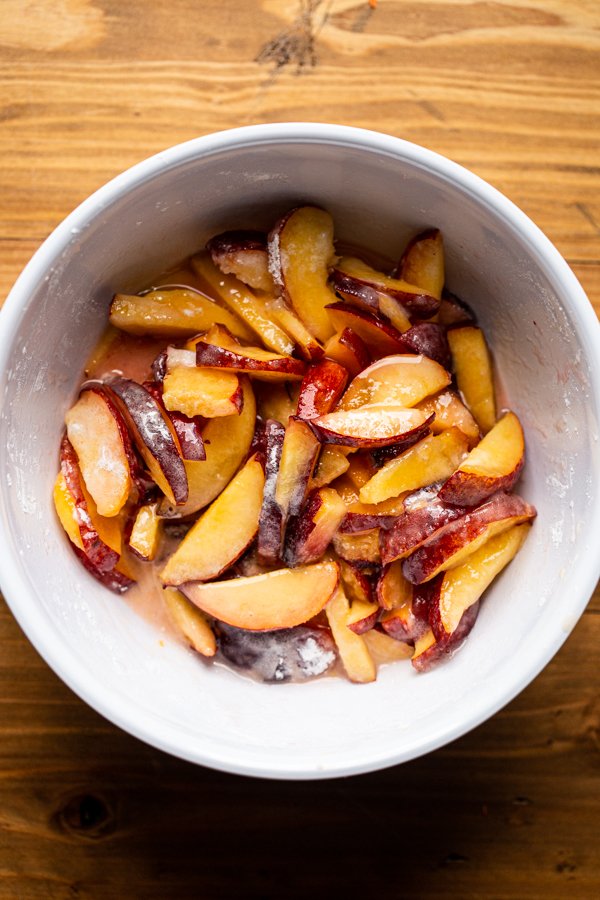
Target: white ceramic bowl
{"points": [[546, 342]]}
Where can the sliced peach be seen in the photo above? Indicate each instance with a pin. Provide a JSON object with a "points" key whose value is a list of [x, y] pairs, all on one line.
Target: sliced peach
{"points": [[298, 460], [349, 350], [372, 425], [155, 438], [276, 400], [474, 375], [300, 251], [354, 653], [332, 463], [244, 255], [431, 459], [379, 335], [243, 302], [188, 429], [270, 527], [493, 465], [278, 656], [459, 588], [99, 437], [395, 312], [321, 388], [306, 345], [351, 275], [450, 411], [414, 526], [145, 533], [252, 360], [362, 617], [96, 540], [422, 262], [393, 590], [451, 544], [191, 622], [358, 583], [429, 339], [227, 441], [202, 392], [223, 532], [429, 652], [365, 516], [384, 649], [453, 311], [403, 379], [361, 548], [280, 599], [309, 534], [174, 312]]}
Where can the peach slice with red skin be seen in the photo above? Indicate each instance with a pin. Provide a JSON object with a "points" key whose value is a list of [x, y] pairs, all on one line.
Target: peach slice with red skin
{"points": [[300, 251], [96, 540], [270, 524], [474, 374], [298, 460], [321, 388], [362, 617], [376, 332], [365, 516], [227, 441], [384, 648], [372, 425], [251, 360], [154, 437], [428, 339], [456, 590], [309, 534], [283, 598], [358, 582], [351, 275], [414, 526], [353, 650], [188, 430], [349, 350], [223, 532], [493, 465], [241, 301], [431, 459], [451, 544], [454, 311], [422, 262], [99, 436], [404, 379], [243, 254], [429, 652]]}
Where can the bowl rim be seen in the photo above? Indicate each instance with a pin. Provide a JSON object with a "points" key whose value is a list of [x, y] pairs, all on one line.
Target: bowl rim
{"points": [[57, 652]]}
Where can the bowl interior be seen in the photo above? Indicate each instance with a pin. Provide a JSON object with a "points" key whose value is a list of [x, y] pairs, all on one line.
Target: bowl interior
{"points": [[379, 191]]}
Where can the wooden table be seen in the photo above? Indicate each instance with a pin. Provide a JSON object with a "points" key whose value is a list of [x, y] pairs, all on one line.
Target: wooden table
{"points": [[509, 89]]}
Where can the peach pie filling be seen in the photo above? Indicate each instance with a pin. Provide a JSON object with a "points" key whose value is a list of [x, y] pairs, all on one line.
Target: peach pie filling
{"points": [[299, 455]]}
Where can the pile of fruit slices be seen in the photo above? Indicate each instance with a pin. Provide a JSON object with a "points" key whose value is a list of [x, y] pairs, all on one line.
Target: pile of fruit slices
{"points": [[355, 497]]}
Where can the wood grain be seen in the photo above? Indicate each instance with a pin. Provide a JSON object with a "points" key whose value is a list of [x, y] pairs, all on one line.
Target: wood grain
{"points": [[512, 91]]}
